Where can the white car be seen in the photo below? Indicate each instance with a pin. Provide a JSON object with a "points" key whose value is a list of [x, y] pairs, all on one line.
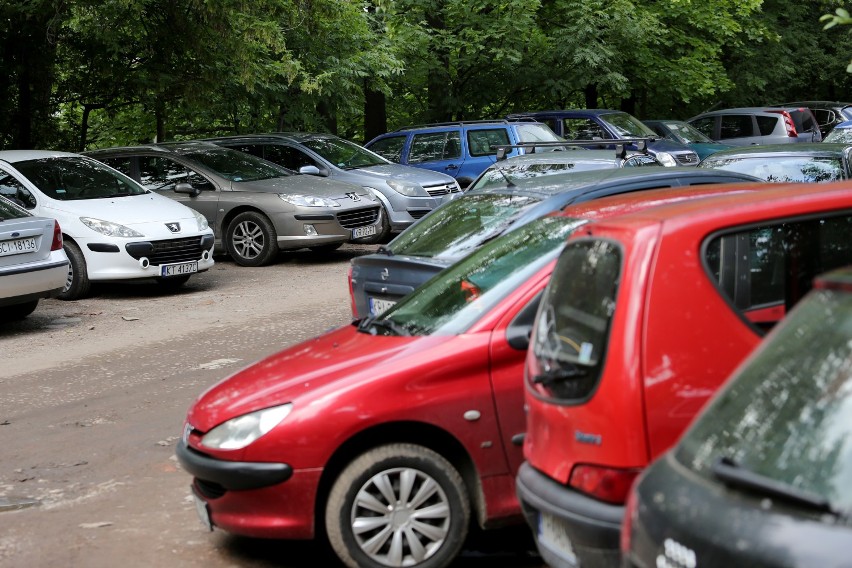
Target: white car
{"points": [[112, 228], [32, 263]]}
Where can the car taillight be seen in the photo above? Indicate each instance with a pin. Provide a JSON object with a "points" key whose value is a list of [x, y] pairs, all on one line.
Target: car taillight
{"points": [[57, 237], [605, 483], [470, 290], [351, 293], [627, 523], [788, 123]]}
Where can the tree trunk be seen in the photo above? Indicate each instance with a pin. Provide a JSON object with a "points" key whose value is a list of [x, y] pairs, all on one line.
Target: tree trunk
{"points": [[438, 81], [375, 112], [591, 92]]}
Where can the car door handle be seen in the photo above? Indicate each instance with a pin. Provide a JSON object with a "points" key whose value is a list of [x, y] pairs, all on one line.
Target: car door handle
{"points": [[518, 439], [451, 167]]}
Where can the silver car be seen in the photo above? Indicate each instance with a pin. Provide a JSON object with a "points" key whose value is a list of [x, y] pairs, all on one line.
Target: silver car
{"points": [[256, 208], [32, 263], [758, 125], [407, 193]]}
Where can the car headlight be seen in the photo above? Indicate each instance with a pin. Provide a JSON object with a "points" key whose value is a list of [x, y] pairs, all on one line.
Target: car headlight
{"points": [[308, 200], [666, 159], [109, 228], [408, 188], [239, 432], [201, 220]]}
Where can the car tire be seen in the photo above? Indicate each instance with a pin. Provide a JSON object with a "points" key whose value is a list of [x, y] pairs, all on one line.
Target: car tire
{"points": [[389, 467], [324, 249], [251, 239], [173, 282], [77, 284], [381, 234], [18, 311]]}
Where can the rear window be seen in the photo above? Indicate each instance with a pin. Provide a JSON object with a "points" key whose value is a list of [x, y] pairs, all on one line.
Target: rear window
{"points": [[435, 146], [736, 126], [766, 124], [806, 169], [787, 415], [480, 141]]}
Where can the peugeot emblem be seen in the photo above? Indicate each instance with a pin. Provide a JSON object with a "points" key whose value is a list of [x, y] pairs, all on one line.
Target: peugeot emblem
{"points": [[353, 196], [173, 227], [385, 274]]}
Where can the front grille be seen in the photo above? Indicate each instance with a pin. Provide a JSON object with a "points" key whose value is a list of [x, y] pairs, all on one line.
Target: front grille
{"points": [[443, 189], [168, 251], [687, 159], [209, 489], [358, 217]]}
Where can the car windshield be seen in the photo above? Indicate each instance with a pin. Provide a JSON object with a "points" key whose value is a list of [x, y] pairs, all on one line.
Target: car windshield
{"points": [[537, 133], [787, 414], [627, 126], [9, 210], [71, 178], [808, 169], [456, 298], [840, 135], [460, 226], [344, 154], [687, 134], [502, 173], [234, 165]]}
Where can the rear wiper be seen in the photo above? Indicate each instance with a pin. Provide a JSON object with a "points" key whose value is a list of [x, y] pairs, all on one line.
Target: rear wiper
{"points": [[732, 473], [560, 374]]}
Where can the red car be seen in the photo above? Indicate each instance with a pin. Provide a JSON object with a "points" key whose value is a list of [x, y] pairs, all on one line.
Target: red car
{"points": [[645, 316], [394, 433]]}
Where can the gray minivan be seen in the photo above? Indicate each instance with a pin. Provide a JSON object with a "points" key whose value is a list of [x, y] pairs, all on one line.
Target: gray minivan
{"points": [[758, 125]]}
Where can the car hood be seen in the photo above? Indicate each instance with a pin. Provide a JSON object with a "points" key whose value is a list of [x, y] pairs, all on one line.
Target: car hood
{"points": [[129, 211], [397, 171], [301, 184], [321, 367]]}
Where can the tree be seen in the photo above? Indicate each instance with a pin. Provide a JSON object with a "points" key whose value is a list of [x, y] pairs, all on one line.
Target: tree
{"points": [[840, 17]]}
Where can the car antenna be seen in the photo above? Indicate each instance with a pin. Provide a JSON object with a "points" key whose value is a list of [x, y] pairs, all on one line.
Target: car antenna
{"points": [[501, 156]]}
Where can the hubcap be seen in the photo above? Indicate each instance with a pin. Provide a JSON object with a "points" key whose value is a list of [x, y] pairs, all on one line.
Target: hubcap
{"points": [[69, 280], [400, 517], [248, 239]]}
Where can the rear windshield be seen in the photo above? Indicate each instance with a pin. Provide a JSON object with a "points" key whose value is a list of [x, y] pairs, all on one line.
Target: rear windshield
{"points": [[9, 210], [840, 136], [687, 134], [807, 169], [234, 165], [505, 173], [343, 153], [627, 125], [77, 178], [787, 415], [536, 133], [462, 225]]}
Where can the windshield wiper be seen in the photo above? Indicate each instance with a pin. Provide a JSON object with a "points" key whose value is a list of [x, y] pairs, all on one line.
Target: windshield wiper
{"points": [[732, 473], [560, 374], [389, 325]]}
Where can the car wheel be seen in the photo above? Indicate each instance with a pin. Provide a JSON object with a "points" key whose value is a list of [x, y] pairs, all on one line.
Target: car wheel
{"points": [[322, 249], [398, 505], [77, 283], [381, 234], [173, 282], [251, 239], [18, 311]]}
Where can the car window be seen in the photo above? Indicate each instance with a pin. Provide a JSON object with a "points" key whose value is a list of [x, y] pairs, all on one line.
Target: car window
{"points": [[626, 125], [766, 124], [787, 415], [14, 190], [233, 165], [162, 174], [687, 134], [289, 157], [431, 146], [253, 149], [480, 141], [536, 133], [389, 148], [704, 125], [11, 210], [804, 169], [764, 271], [735, 126], [840, 136], [582, 129], [343, 153], [76, 178]]}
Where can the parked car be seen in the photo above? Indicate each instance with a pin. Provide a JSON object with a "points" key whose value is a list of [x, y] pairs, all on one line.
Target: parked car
{"points": [[605, 124], [256, 208], [758, 125], [762, 478], [406, 193], [112, 228], [460, 149], [808, 163], [454, 230], [828, 114], [684, 133], [32, 263], [644, 317], [842, 133], [394, 434]]}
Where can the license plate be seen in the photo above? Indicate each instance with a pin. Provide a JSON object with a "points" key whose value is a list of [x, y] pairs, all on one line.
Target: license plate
{"points": [[359, 232], [17, 246], [552, 533], [378, 307], [178, 269], [203, 512]]}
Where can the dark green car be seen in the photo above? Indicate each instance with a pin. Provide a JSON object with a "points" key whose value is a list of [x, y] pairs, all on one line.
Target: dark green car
{"points": [[807, 163]]}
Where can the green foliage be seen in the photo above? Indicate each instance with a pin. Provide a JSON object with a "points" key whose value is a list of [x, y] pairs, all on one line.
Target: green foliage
{"points": [[840, 17]]}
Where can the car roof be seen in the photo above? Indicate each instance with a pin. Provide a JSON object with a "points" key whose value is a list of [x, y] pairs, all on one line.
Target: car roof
{"points": [[786, 150], [166, 147], [12, 156], [465, 123], [749, 110], [297, 137], [578, 111]]}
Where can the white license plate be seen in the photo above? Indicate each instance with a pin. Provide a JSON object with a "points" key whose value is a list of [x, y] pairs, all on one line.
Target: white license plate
{"points": [[378, 307], [359, 232], [203, 512], [552, 533], [178, 269], [18, 246]]}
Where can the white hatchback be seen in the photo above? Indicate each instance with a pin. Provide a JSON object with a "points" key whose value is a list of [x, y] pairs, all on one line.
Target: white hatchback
{"points": [[113, 228]]}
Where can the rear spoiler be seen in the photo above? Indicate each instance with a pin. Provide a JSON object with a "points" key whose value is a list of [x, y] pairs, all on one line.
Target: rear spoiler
{"points": [[620, 146]]}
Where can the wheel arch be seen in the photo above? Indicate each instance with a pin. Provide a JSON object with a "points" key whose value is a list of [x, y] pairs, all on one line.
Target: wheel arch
{"points": [[226, 219]]}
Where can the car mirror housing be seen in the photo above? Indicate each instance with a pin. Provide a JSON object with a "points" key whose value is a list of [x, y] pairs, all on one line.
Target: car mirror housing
{"points": [[310, 170], [184, 187]]}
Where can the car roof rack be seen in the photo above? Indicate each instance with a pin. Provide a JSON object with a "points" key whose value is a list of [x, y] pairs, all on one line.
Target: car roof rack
{"points": [[620, 146], [456, 123]]}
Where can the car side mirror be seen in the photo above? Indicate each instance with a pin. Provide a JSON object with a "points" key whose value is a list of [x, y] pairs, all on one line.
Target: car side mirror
{"points": [[184, 187], [310, 170], [519, 331]]}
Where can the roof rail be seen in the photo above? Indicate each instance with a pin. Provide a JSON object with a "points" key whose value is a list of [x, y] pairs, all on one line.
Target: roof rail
{"points": [[620, 145], [454, 123]]}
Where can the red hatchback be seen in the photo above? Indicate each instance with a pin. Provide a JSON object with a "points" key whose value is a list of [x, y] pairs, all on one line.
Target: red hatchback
{"points": [[645, 315], [393, 433]]}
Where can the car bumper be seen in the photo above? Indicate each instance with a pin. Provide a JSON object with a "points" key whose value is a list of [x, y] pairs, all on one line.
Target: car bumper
{"points": [[264, 500], [570, 529], [25, 283], [317, 228]]}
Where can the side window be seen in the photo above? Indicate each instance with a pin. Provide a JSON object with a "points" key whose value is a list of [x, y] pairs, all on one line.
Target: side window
{"points": [[15, 191], [480, 141], [767, 124], [736, 126], [289, 157], [162, 174], [705, 125], [435, 146], [253, 149], [765, 270], [582, 129], [389, 148]]}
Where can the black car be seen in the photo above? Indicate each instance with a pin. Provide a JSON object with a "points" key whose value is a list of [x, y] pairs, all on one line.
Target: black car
{"points": [[763, 478], [457, 228]]}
